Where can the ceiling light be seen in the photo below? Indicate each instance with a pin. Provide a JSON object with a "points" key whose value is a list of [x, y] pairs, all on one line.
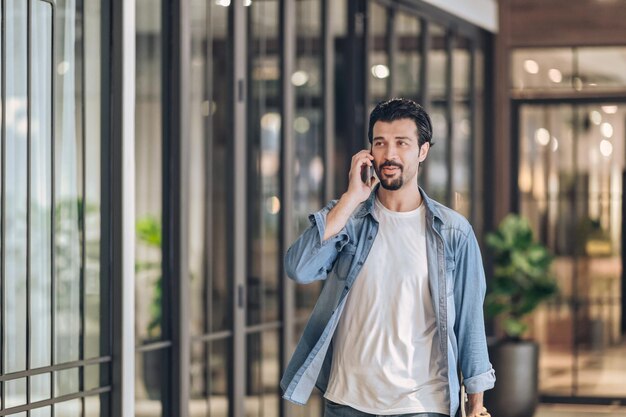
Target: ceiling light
{"points": [[555, 75], [531, 66], [542, 136]]}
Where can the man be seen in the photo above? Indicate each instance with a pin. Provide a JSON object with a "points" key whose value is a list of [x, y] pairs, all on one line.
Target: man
{"points": [[401, 311]]}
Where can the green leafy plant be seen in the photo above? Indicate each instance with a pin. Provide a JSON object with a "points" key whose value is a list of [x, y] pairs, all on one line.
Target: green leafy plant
{"points": [[521, 279], [149, 232]]}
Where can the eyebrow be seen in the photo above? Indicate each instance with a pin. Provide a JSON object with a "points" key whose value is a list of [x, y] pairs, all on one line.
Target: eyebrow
{"points": [[395, 137]]}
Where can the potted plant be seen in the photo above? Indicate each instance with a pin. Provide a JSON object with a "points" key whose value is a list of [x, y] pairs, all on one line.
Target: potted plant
{"points": [[521, 281]]}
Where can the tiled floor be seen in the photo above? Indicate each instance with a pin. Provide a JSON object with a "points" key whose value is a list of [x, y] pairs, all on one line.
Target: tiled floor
{"points": [[549, 410]]}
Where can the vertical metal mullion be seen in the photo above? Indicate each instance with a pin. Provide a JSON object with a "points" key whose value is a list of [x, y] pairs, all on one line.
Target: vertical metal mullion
{"points": [[449, 116], [52, 205], [328, 79], [175, 199], [3, 201], [207, 273], [81, 351], [29, 94], [424, 97], [288, 49], [237, 252], [392, 48]]}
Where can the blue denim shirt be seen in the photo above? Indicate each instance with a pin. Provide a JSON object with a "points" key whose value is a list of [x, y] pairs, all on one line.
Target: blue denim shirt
{"points": [[457, 284]]}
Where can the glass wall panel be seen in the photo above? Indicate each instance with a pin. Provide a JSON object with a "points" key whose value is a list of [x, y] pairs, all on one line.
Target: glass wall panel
{"points": [[149, 374], [210, 125], [571, 185], [264, 149], [94, 337], [39, 387], [41, 412], [438, 169], [40, 184], [14, 275], [378, 56], [209, 383], [308, 132], [407, 59], [602, 68], [68, 112], [66, 382], [14, 392], [263, 360], [148, 171], [462, 174], [71, 408]]}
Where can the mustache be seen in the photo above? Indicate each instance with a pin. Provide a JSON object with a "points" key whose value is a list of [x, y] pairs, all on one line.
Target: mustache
{"points": [[390, 164]]}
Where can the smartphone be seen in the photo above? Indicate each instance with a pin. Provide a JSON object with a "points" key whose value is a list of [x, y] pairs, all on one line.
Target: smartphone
{"points": [[367, 172]]}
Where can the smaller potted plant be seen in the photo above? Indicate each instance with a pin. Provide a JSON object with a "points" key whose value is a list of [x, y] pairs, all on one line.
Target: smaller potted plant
{"points": [[521, 281]]}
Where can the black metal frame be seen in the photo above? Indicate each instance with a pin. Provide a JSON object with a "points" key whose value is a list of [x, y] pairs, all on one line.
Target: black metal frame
{"points": [[574, 100], [80, 364]]}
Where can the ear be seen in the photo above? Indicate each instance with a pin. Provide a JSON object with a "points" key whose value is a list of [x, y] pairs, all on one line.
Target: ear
{"points": [[424, 151]]}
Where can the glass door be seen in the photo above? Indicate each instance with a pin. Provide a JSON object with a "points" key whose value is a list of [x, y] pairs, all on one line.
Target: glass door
{"points": [[570, 176]]}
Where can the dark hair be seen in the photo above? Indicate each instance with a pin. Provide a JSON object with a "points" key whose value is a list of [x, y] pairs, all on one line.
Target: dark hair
{"points": [[402, 108]]}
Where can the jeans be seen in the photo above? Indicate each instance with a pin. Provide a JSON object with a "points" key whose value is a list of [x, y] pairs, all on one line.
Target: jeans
{"points": [[332, 409]]}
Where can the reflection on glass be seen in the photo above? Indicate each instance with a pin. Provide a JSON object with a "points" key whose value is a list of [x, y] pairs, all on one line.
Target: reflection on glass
{"points": [[378, 59], [602, 68], [407, 63], [262, 357], [436, 164], [264, 159], [40, 183], [68, 176], [15, 392], [14, 302], [40, 412], [462, 128], [571, 190], [39, 387], [66, 382], [148, 174], [542, 68], [210, 126], [93, 96], [209, 379], [149, 383], [308, 132], [68, 408]]}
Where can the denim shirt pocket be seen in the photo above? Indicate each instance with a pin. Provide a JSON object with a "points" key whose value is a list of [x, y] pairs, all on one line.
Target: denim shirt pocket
{"points": [[450, 268], [344, 261]]}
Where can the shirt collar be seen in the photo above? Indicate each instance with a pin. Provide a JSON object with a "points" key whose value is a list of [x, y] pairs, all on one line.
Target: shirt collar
{"points": [[368, 205]]}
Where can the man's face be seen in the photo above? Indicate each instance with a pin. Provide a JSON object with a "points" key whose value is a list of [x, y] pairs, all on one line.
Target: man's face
{"points": [[397, 153]]}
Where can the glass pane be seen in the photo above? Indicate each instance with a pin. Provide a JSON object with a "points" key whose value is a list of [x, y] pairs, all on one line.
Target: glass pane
{"points": [[436, 165], [461, 56], [209, 379], [210, 126], [263, 367], [92, 103], [308, 132], [407, 63], [378, 58], [66, 382], [96, 376], [543, 68], [264, 146], [68, 409], [41, 184], [149, 383], [570, 180], [14, 392], [41, 412], [149, 171], [39, 387], [16, 177], [462, 159], [93, 405], [68, 182], [602, 68]]}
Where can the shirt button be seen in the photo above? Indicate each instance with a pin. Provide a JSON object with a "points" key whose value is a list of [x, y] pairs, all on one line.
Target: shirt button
{"points": [[369, 238], [359, 263]]}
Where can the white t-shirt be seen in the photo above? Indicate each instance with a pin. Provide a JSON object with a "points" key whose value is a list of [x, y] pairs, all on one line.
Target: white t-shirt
{"points": [[385, 349]]}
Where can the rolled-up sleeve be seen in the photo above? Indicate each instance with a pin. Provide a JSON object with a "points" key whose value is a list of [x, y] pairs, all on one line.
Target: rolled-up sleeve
{"points": [[310, 258], [469, 295]]}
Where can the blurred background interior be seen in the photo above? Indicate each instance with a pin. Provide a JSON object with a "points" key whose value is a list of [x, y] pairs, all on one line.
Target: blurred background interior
{"points": [[159, 156]]}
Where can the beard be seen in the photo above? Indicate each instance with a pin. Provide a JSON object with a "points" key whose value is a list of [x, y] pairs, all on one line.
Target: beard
{"points": [[391, 184]]}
